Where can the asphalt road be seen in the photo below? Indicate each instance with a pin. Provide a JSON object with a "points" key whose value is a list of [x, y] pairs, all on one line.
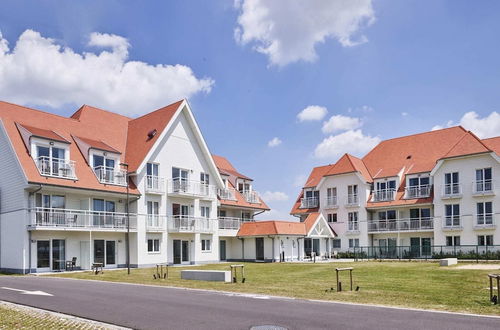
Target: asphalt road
{"points": [[149, 307]]}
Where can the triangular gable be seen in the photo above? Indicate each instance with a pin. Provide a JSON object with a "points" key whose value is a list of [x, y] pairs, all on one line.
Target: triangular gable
{"points": [[317, 226], [469, 144]]}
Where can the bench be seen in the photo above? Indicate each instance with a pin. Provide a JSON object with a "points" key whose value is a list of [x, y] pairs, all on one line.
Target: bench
{"points": [[97, 267], [448, 261], [207, 275]]}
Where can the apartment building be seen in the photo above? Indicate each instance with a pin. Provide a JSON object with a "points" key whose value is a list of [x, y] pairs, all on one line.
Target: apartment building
{"points": [[434, 188], [71, 187]]}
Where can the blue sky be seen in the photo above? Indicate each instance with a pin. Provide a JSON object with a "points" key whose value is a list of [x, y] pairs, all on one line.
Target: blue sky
{"points": [[398, 68]]}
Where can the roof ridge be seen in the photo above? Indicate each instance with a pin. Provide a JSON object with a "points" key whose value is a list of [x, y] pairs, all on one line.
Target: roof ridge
{"points": [[467, 133], [103, 110], [37, 110], [422, 133], [157, 110], [479, 140], [491, 138]]}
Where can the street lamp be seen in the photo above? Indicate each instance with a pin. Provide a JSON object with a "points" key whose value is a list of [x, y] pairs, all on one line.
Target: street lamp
{"points": [[127, 238]]}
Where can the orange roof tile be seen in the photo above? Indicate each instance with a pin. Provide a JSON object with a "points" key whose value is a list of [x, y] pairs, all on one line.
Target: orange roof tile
{"points": [[493, 144], [349, 164], [467, 145], [264, 228], [241, 201], [226, 168], [42, 133], [311, 220], [97, 144]]}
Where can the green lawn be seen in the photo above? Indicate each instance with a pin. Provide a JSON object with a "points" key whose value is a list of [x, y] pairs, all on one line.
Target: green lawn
{"points": [[412, 284]]}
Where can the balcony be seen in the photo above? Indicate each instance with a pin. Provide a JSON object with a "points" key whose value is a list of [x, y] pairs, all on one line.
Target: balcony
{"points": [[398, 225], [422, 191], [483, 187], [190, 224], [60, 168], [309, 202], [48, 218], [154, 184], [228, 194], [229, 223], [109, 175], [485, 221], [155, 222], [251, 196], [353, 227], [184, 187], [352, 200], [453, 190], [452, 223], [331, 202], [383, 195]]}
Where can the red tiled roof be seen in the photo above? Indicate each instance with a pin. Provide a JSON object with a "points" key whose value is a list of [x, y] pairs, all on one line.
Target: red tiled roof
{"points": [[493, 144], [97, 144], [264, 228], [467, 145], [43, 133], [226, 168], [241, 201], [316, 174], [311, 220], [349, 164]]}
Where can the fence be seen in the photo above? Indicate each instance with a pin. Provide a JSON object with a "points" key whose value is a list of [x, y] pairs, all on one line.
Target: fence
{"points": [[464, 252]]}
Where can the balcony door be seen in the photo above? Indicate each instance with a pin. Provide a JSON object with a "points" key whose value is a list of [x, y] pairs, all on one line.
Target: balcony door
{"points": [[51, 254], [105, 252], [50, 210], [103, 212], [483, 180], [153, 173], [451, 181], [180, 179], [259, 248], [180, 251], [104, 168]]}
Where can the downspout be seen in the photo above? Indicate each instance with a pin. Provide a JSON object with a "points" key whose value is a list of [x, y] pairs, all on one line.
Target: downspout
{"points": [[32, 193], [257, 214]]}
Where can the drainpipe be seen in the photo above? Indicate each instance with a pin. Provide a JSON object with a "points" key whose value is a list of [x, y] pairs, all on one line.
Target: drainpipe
{"points": [[257, 214], [31, 194]]}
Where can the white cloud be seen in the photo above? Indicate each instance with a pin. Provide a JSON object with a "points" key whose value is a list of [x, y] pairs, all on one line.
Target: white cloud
{"points": [[338, 123], [485, 127], [40, 71], [352, 141], [271, 196], [274, 142], [289, 30], [404, 114], [311, 113]]}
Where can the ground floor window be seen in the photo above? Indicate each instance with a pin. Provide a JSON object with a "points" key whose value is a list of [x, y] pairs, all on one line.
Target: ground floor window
{"points": [[483, 240], [452, 240], [153, 245], [353, 242], [206, 245], [336, 243]]}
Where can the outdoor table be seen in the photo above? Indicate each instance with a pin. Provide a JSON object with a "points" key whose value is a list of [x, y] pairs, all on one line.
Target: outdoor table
{"points": [[96, 266]]}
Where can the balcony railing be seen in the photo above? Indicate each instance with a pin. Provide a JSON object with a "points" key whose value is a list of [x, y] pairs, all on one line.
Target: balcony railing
{"points": [[352, 200], [331, 202], [190, 224], [67, 218], [251, 196], [483, 187], [485, 221], [451, 190], [154, 184], [155, 222], [61, 168], [227, 194], [452, 222], [411, 224], [383, 195], [422, 191], [309, 202], [353, 226], [191, 187], [230, 223], [110, 175]]}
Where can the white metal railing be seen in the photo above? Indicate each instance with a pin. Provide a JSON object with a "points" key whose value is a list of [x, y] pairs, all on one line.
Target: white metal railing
{"points": [[227, 194], [230, 223], [421, 191], [331, 202], [111, 175], [383, 195], [352, 200], [352, 226], [410, 224], [251, 196], [191, 187], [67, 218], [190, 224], [155, 222], [56, 167], [452, 222], [155, 184], [483, 186], [486, 220], [450, 190], [309, 202]]}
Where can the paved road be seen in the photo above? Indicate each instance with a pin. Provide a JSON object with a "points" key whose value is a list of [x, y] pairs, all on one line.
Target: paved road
{"points": [[149, 307]]}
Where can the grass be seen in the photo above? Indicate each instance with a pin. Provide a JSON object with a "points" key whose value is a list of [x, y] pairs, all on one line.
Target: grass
{"points": [[409, 284]]}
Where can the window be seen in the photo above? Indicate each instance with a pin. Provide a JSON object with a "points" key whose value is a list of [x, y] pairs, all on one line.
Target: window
{"points": [[418, 187], [246, 216], [452, 218], [336, 243], [51, 160], [353, 242], [352, 190], [332, 217], [180, 180], [222, 213], [485, 213], [312, 194], [205, 211], [387, 215], [451, 183], [352, 221], [331, 196], [483, 240], [452, 240], [153, 213], [206, 245], [419, 214], [243, 187], [153, 245], [152, 169], [391, 184], [418, 181], [483, 180], [204, 178], [104, 168]]}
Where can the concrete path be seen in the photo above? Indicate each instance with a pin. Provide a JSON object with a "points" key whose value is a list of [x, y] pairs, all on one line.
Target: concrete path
{"points": [[149, 307]]}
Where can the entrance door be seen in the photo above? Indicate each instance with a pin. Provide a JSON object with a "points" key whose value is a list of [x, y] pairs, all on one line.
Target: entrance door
{"points": [[58, 254], [185, 251], [177, 251], [316, 246], [43, 255], [222, 249], [426, 246], [308, 246], [259, 248], [110, 252], [415, 247], [99, 251]]}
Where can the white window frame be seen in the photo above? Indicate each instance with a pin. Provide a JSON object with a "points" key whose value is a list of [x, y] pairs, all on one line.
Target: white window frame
{"points": [[155, 244], [204, 245]]}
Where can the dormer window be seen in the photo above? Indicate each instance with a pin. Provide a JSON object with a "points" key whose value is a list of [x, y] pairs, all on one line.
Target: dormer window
{"points": [[384, 191], [106, 168], [53, 161]]}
